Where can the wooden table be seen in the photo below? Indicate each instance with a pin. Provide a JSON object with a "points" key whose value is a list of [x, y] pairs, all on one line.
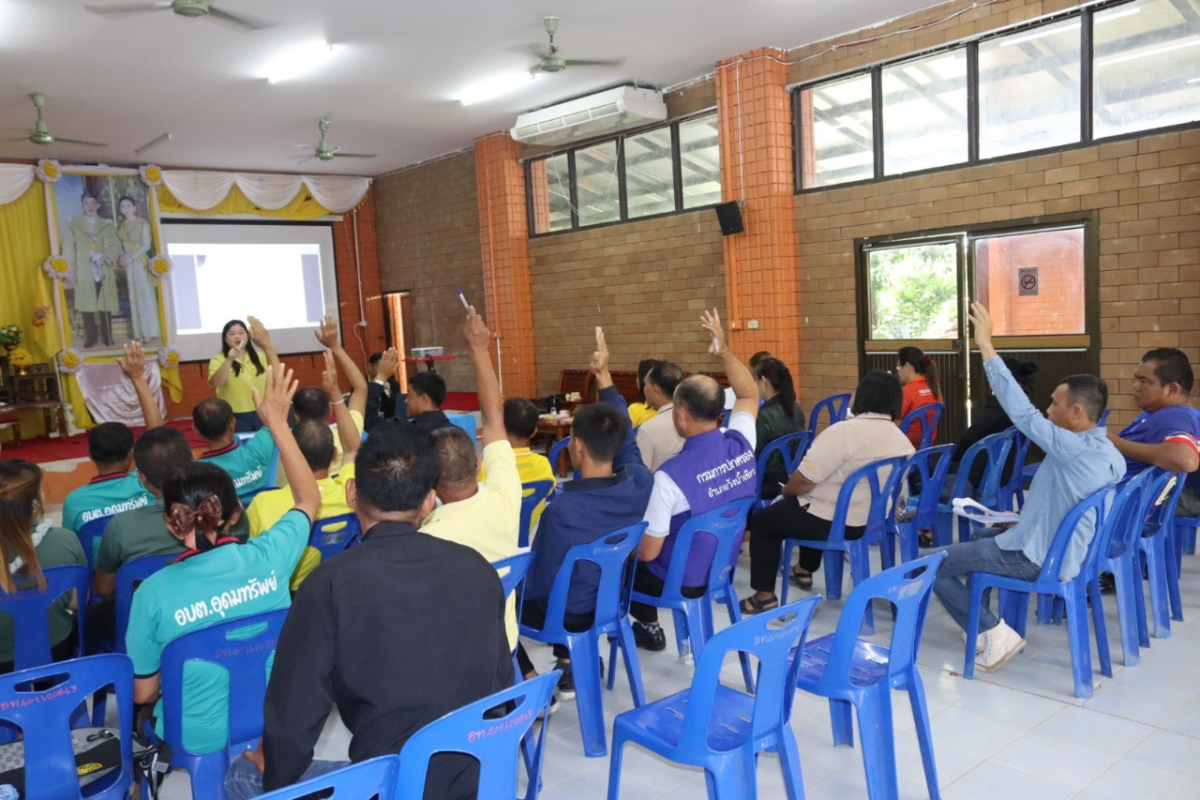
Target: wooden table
{"points": [[550, 431]]}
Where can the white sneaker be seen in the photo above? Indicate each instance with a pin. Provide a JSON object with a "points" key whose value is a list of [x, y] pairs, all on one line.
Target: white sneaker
{"points": [[999, 645], [978, 642]]}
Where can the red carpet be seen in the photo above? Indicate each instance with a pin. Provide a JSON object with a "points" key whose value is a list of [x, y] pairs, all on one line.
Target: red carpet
{"points": [[44, 448]]}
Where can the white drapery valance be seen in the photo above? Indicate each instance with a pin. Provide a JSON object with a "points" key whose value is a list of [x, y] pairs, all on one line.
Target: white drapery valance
{"points": [[204, 190], [15, 180]]}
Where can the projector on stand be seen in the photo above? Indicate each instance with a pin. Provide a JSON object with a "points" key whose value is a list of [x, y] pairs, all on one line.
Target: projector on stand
{"points": [[422, 353]]}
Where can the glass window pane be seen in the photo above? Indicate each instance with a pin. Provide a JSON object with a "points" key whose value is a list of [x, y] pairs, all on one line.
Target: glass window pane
{"points": [[914, 291], [837, 133], [925, 112], [1032, 283], [549, 185], [700, 161], [649, 173], [596, 184], [1147, 66], [1029, 89]]}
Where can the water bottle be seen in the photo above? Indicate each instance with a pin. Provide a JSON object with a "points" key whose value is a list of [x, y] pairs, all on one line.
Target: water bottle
{"points": [[9, 792], [554, 412]]}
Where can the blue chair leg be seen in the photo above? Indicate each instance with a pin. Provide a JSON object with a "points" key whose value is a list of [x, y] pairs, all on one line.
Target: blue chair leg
{"points": [[585, 664], [841, 718], [1129, 617], [682, 629], [633, 669], [789, 763], [735, 616], [613, 641], [1173, 568], [860, 570], [208, 776], [920, 708], [976, 591], [1015, 607], [878, 741], [700, 623], [1077, 636], [1102, 649], [1159, 605], [734, 777], [834, 562], [614, 764]]}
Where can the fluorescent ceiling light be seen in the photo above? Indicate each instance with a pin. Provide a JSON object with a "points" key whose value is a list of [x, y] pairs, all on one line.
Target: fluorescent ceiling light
{"points": [[494, 87], [1153, 51], [297, 61]]}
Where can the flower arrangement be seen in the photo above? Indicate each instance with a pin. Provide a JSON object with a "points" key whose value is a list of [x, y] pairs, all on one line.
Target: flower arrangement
{"points": [[70, 361], [10, 336], [49, 171], [41, 313], [151, 175], [160, 265], [168, 357], [20, 358], [58, 268]]}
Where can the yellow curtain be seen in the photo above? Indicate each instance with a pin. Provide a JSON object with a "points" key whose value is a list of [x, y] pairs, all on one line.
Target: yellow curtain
{"points": [[302, 206], [26, 293]]}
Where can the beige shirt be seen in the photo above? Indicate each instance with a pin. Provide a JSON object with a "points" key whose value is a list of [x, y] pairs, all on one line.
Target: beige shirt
{"points": [[657, 439], [838, 452], [488, 521]]}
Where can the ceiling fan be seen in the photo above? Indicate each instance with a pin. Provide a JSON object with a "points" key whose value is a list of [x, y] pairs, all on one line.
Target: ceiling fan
{"points": [[326, 152], [41, 129], [550, 59], [192, 9]]}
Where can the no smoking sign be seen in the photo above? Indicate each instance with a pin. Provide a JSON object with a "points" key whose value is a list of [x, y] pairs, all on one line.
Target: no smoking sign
{"points": [[1027, 280]]}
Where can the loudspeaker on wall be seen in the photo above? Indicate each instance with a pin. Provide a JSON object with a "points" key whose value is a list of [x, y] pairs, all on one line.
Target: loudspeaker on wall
{"points": [[730, 217]]}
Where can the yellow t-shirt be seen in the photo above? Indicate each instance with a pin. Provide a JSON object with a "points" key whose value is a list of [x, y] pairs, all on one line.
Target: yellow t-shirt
{"points": [[236, 389], [269, 507], [532, 467], [335, 466], [640, 412], [489, 521]]}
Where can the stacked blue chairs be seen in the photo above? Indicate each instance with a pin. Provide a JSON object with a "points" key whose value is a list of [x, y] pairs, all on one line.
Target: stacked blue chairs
{"points": [[556, 451], [493, 740], [720, 728], [89, 536], [534, 493], [1185, 538], [927, 416], [880, 478], [609, 556], [791, 448], [375, 778], [242, 647], [1158, 552], [994, 449], [722, 528], [332, 535], [28, 608], [835, 407], [931, 464], [1076, 593], [858, 674], [1117, 552], [45, 713]]}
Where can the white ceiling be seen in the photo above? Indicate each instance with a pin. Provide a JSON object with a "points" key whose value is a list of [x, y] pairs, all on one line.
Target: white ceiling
{"points": [[389, 89]]}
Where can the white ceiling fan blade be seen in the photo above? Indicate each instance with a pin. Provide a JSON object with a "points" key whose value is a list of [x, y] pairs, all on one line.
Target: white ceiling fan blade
{"points": [[355, 155], [238, 23], [578, 62], [129, 8], [60, 140]]}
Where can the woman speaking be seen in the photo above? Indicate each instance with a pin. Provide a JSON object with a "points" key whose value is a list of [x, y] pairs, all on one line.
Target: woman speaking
{"points": [[239, 369]]}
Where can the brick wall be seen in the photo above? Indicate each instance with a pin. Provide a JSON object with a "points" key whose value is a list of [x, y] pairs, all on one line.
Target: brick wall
{"points": [[643, 282], [429, 245]]}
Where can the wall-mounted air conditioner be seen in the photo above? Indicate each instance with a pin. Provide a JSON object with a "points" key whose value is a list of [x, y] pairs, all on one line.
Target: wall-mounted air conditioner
{"points": [[607, 112]]}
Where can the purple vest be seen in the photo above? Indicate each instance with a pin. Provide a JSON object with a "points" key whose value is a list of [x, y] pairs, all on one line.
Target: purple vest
{"points": [[711, 470]]}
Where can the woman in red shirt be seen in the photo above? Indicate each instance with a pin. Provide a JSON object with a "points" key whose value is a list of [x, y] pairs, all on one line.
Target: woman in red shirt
{"points": [[918, 373]]}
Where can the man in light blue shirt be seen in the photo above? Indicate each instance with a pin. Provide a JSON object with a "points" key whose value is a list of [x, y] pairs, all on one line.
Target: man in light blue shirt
{"points": [[1079, 460]]}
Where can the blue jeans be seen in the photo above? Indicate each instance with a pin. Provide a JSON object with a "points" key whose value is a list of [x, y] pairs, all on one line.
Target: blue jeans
{"points": [[978, 555], [243, 780]]}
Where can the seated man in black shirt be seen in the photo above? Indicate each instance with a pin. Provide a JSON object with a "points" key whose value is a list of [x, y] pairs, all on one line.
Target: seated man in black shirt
{"points": [[362, 634], [423, 404]]}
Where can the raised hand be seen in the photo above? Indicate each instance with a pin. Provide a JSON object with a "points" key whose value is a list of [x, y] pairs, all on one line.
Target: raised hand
{"points": [[388, 363], [475, 332], [327, 332], [711, 322], [273, 406], [329, 378], [134, 362], [600, 358], [258, 333]]}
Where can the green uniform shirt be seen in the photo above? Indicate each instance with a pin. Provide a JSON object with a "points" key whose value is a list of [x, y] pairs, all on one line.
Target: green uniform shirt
{"points": [[104, 496], [58, 547], [246, 462], [228, 582], [142, 532]]}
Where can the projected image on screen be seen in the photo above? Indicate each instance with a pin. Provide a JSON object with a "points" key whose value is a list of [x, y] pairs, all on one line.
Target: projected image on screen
{"points": [[286, 278], [283, 274]]}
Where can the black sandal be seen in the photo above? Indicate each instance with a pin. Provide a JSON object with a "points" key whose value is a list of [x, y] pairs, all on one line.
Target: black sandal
{"points": [[802, 580], [924, 539], [752, 605]]}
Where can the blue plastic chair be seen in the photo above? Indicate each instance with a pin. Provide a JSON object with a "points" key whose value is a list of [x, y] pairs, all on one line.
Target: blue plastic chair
{"points": [[905, 524], [374, 778], [1014, 596], [995, 449], [723, 528], [609, 555], [241, 646], [720, 728], [45, 715], [331, 535], [791, 448], [89, 536], [835, 407], [493, 740], [464, 420], [927, 416], [556, 451], [512, 572], [880, 478], [129, 576], [534, 493], [1117, 553], [856, 673], [28, 608], [1185, 538], [1158, 552]]}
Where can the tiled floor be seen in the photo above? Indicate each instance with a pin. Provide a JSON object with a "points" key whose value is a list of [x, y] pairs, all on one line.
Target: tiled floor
{"points": [[1017, 733]]}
